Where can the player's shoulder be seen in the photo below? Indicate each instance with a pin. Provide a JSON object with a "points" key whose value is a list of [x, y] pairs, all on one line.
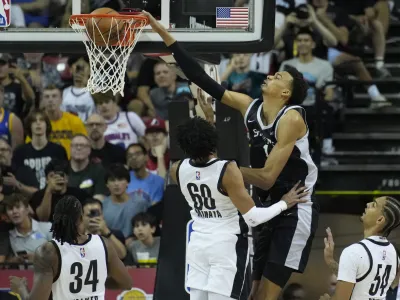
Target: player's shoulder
{"points": [[292, 117], [356, 250]]}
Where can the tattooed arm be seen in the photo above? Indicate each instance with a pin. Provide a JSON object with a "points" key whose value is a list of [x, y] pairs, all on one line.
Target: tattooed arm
{"points": [[45, 266]]}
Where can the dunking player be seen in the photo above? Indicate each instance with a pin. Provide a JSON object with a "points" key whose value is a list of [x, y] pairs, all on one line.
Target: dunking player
{"points": [[73, 265], [277, 127], [218, 249], [367, 269]]}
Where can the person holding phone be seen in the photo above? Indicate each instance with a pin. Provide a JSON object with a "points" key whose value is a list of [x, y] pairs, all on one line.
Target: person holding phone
{"points": [[94, 223]]}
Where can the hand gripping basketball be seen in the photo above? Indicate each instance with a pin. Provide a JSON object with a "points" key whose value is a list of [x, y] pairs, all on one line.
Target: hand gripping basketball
{"points": [[295, 195]]}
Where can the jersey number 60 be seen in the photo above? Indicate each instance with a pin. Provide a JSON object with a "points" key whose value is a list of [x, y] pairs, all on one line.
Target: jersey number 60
{"points": [[201, 196]]}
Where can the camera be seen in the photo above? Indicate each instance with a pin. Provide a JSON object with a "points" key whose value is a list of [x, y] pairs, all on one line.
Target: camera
{"points": [[94, 213], [302, 12]]}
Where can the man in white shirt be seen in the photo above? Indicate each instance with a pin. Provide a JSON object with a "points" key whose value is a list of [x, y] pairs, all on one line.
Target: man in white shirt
{"points": [[367, 269]]}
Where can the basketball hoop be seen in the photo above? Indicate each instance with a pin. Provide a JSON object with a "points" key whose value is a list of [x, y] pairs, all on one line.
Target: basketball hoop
{"points": [[108, 51]]}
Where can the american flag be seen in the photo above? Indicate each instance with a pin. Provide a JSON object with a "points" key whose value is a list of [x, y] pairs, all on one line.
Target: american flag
{"points": [[233, 17]]}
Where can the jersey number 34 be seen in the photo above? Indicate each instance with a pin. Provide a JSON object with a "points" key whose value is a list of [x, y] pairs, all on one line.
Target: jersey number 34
{"points": [[91, 277]]}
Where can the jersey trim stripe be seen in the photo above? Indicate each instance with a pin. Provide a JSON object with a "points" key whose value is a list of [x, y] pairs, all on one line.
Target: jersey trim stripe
{"points": [[59, 261], [370, 263], [242, 249], [105, 250], [248, 111], [379, 243], [203, 165], [221, 176], [177, 172]]}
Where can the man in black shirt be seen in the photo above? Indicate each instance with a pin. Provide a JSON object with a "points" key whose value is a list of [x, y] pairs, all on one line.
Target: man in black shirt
{"points": [[40, 151], [102, 151], [44, 201]]}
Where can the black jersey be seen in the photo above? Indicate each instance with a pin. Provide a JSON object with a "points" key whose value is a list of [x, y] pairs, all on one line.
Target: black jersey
{"points": [[300, 165]]}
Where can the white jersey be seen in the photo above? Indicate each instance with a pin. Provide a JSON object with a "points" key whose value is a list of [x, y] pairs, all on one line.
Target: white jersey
{"points": [[125, 129], [83, 270], [212, 210], [79, 102], [371, 265]]}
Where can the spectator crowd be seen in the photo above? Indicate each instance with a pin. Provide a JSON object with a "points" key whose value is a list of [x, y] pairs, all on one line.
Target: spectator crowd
{"points": [[112, 152]]}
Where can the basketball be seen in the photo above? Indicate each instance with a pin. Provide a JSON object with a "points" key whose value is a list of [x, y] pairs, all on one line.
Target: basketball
{"points": [[104, 31]]}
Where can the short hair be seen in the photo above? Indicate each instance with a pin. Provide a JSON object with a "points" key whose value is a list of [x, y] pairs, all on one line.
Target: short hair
{"points": [[299, 86], [290, 289], [81, 135], [102, 97], [391, 211], [52, 87], [89, 201], [56, 165], [74, 58], [67, 213], [197, 138], [14, 199], [307, 31], [31, 117], [140, 145], [117, 171], [144, 218]]}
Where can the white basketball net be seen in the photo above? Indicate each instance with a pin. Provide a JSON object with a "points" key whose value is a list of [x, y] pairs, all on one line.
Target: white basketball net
{"points": [[108, 63]]}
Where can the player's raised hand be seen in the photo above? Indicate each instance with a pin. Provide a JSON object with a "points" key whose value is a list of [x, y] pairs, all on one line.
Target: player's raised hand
{"points": [[325, 297], [295, 195], [152, 21], [329, 246]]}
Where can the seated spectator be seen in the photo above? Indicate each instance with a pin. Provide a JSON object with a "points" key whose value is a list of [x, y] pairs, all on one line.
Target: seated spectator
{"points": [[119, 207], [317, 72], [11, 127], [17, 90], [39, 152], [141, 180], [16, 179], [340, 24], [84, 174], [240, 78], [102, 151], [28, 234], [157, 140], [167, 88], [94, 222], [76, 98], [294, 291], [64, 125], [44, 201], [5, 226], [35, 11], [145, 249], [123, 128]]}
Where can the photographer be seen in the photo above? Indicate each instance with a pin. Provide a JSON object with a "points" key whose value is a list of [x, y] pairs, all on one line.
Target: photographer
{"points": [[94, 223], [44, 201]]}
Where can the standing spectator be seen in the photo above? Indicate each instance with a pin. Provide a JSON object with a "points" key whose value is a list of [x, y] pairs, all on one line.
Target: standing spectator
{"points": [[36, 12], [142, 180], [17, 91], [83, 173], [15, 179], [11, 127], [102, 151], [39, 152], [317, 72], [123, 128], [64, 125], [145, 249], [44, 201], [120, 207], [76, 99], [157, 139], [27, 234], [167, 88], [94, 222]]}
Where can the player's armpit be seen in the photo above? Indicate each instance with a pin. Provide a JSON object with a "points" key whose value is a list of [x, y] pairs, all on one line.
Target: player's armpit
{"points": [[238, 101], [45, 267], [343, 290], [291, 128], [120, 278]]}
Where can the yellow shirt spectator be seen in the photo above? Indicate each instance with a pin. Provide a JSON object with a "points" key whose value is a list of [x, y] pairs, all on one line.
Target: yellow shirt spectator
{"points": [[63, 129]]}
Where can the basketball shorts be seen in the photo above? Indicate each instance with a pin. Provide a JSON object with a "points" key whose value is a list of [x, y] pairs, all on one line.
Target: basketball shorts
{"points": [[217, 263], [286, 240]]}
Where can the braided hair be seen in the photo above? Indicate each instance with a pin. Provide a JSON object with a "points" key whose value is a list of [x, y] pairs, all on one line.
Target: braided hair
{"points": [[67, 212], [391, 211]]}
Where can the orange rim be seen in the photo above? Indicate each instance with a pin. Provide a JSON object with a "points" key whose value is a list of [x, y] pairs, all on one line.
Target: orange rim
{"points": [[81, 19]]}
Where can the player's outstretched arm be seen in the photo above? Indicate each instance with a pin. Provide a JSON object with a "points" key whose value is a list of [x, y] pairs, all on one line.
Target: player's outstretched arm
{"points": [[232, 183], [196, 74], [118, 276], [45, 264], [291, 128]]}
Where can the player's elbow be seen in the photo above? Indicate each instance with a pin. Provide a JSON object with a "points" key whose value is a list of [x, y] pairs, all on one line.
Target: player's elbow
{"points": [[127, 284], [266, 181]]}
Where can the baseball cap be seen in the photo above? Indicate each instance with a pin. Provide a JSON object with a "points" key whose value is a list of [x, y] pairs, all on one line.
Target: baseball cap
{"points": [[155, 125], [5, 57]]}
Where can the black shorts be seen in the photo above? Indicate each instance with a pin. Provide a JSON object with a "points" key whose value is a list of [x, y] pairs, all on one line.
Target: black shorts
{"points": [[286, 240]]}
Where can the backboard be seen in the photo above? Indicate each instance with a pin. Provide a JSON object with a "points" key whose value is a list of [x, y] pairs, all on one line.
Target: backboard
{"points": [[192, 22]]}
